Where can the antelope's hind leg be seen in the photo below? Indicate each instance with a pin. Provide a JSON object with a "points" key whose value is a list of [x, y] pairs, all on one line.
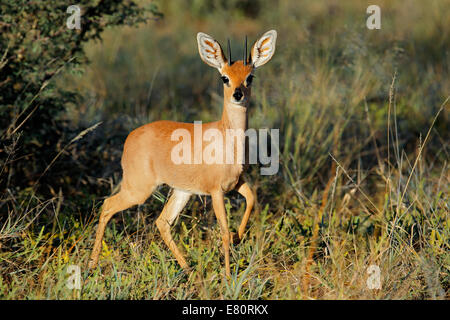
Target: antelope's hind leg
{"points": [[172, 209], [116, 203]]}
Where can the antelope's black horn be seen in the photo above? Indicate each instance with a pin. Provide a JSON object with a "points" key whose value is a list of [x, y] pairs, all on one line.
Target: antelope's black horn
{"points": [[245, 51], [229, 53], [250, 56]]}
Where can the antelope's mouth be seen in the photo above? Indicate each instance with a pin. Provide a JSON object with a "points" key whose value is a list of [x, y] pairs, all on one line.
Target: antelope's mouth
{"points": [[242, 102]]}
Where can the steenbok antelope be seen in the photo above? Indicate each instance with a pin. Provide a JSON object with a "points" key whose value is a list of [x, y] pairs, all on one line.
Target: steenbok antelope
{"points": [[147, 161]]}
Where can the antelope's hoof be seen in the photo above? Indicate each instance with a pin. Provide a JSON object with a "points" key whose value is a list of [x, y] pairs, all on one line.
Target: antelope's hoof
{"points": [[92, 264], [235, 238], [187, 270]]}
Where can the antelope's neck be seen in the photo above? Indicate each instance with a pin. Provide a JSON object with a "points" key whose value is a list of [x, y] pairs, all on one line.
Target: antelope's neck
{"points": [[234, 117]]}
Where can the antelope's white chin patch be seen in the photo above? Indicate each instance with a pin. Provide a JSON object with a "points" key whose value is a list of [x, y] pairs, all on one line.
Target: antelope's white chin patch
{"points": [[241, 103]]}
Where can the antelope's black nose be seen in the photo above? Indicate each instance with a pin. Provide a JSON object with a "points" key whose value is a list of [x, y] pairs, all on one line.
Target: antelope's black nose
{"points": [[238, 94]]}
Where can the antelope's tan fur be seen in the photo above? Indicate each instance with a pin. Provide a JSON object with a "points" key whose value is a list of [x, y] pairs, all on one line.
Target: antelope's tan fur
{"points": [[146, 160]]}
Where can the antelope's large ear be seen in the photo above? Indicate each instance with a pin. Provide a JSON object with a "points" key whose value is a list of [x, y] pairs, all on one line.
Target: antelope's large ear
{"points": [[210, 51], [264, 48]]}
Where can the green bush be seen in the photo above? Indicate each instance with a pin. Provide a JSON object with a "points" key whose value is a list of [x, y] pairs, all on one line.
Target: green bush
{"points": [[35, 45]]}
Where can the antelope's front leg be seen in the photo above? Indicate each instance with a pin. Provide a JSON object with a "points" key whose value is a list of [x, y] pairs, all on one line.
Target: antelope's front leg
{"points": [[244, 189], [221, 215]]}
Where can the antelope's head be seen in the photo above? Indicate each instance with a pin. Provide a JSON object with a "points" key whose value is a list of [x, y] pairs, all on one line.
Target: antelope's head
{"points": [[237, 76]]}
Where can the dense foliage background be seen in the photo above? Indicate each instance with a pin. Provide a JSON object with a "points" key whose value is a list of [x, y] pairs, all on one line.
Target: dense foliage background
{"points": [[363, 119], [36, 46]]}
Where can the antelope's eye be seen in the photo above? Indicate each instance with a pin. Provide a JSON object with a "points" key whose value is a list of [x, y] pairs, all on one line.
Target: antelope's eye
{"points": [[249, 80], [225, 79]]}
